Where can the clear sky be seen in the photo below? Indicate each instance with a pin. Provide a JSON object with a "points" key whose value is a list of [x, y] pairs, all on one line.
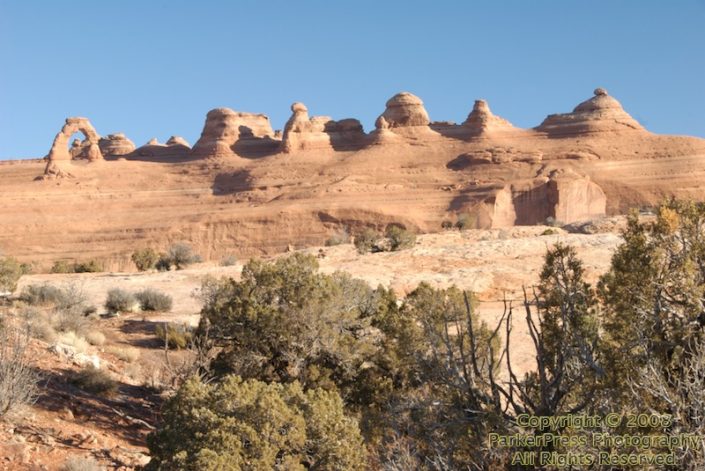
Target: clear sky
{"points": [[154, 68]]}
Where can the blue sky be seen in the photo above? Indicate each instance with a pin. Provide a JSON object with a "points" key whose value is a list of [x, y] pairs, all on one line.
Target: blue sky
{"points": [[153, 69]]}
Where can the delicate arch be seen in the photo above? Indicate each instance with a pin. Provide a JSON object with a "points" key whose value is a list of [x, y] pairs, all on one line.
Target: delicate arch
{"points": [[59, 149]]}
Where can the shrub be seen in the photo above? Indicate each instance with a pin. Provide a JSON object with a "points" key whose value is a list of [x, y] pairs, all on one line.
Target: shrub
{"points": [[95, 381], [41, 295], [339, 238], [181, 255], [549, 232], [95, 338], [145, 259], [254, 425], [79, 463], [91, 266], [127, 354], [446, 224], [10, 273], [18, 381], [399, 238], [153, 300], [62, 266], [228, 261], [466, 221], [174, 335], [163, 264], [119, 300], [367, 241]]}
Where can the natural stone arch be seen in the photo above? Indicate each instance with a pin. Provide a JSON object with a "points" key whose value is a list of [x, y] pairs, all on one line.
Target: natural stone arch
{"points": [[59, 149]]}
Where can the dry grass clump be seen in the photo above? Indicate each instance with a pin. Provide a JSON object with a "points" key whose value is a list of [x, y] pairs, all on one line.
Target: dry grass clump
{"points": [[174, 335], [95, 338], [94, 381], [72, 339], [127, 354]]}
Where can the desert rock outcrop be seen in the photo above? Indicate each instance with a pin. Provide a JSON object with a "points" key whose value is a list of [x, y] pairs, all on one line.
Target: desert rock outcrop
{"points": [[227, 132], [404, 110], [59, 149], [319, 132], [178, 141], [116, 145], [481, 120], [601, 113]]}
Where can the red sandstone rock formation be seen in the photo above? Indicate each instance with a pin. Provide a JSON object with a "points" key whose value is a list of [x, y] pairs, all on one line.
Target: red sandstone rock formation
{"points": [[227, 133], [116, 145]]}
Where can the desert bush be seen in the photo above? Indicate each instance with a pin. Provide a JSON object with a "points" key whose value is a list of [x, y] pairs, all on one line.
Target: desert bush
{"points": [[180, 255], [90, 266], [119, 300], [163, 264], [367, 240], [228, 261], [339, 238], [466, 221], [127, 354], [65, 297], [254, 425], [270, 324], [446, 224], [174, 335], [80, 463], [44, 294], [153, 300], [95, 338], [18, 380], [549, 232], [94, 380], [399, 238], [62, 266], [145, 259], [10, 273], [41, 327], [70, 320]]}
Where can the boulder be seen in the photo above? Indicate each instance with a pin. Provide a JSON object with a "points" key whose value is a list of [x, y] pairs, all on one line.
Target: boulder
{"points": [[405, 110], [116, 145], [601, 113], [178, 141]]}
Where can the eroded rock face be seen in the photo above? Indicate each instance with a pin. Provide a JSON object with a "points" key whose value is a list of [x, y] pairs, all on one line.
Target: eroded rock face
{"points": [[319, 132], [481, 120], [59, 149], [562, 195], [116, 145], [601, 113], [227, 132], [405, 110]]}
